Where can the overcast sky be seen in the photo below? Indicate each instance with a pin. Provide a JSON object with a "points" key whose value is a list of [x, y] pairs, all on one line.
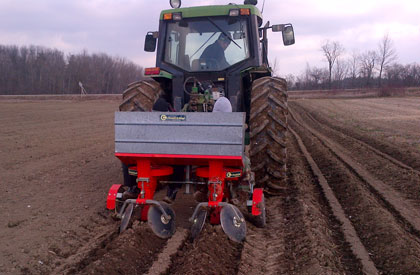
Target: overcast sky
{"points": [[118, 27]]}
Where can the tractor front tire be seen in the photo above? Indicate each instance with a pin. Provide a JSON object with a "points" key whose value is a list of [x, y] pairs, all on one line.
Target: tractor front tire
{"points": [[268, 133], [141, 96]]}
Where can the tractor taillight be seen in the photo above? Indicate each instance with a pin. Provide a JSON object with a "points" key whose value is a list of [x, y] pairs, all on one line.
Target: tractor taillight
{"points": [[177, 16], [245, 12], [167, 16], [152, 71], [234, 12]]}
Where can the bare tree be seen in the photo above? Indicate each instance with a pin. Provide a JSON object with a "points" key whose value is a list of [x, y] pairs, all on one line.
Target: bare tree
{"points": [[367, 64], [306, 76], [341, 71], [291, 80], [318, 76], [386, 55], [304, 80], [39, 70], [274, 66], [353, 65], [399, 75], [332, 50], [312, 78]]}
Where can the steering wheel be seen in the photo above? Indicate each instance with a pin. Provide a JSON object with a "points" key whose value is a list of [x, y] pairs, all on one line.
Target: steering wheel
{"points": [[192, 79]]}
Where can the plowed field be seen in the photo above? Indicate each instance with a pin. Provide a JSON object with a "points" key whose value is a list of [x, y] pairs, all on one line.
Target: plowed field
{"points": [[351, 204]]}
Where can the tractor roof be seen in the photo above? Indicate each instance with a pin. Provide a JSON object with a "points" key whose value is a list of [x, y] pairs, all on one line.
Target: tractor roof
{"points": [[218, 10]]}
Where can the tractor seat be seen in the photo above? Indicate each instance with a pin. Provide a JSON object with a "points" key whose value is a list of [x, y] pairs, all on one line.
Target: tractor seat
{"points": [[195, 65]]}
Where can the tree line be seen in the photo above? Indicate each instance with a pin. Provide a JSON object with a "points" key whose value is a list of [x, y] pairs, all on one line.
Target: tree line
{"points": [[371, 68], [39, 70]]}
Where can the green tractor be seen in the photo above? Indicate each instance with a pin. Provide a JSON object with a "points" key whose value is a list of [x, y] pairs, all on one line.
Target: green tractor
{"points": [[208, 52]]}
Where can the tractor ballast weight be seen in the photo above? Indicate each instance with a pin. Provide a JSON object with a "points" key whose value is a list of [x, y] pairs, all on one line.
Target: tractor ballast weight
{"points": [[191, 80]]}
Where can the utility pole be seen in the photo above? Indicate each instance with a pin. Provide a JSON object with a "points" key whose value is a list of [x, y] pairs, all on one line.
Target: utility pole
{"points": [[82, 90]]}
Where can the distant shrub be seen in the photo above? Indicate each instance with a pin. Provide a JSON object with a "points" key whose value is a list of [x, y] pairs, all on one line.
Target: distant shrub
{"points": [[385, 92]]}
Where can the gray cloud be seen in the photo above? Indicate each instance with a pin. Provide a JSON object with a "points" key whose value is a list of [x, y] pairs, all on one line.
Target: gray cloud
{"points": [[117, 27]]}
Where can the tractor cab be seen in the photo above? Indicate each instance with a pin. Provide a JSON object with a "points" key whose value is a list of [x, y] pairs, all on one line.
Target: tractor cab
{"points": [[187, 40], [212, 48]]}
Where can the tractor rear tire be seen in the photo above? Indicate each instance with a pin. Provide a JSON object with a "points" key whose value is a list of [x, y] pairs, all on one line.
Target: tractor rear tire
{"points": [[140, 96], [268, 133]]}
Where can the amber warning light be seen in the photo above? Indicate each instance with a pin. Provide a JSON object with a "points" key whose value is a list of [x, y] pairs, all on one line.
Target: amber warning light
{"points": [[167, 16], [152, 71], [245, 12]]}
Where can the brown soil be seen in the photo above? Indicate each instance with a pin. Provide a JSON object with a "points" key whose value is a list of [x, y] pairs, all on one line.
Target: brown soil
{"points": [[57, 164], [393, 247], [388, 124], [122, 255], [211, 253], [406, 181]]}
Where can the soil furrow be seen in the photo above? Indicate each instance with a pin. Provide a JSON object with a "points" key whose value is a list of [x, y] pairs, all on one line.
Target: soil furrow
{"points": [[398, 206], [162, 263], [301, 236], [363, 131], [391, 247], [132, 252], [349, 232], [211, 253], [264, 247], [137, 250], [364, 144], [400, 177]]}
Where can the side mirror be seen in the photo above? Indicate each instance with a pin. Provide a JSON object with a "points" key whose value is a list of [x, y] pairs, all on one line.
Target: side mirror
{"points": [[288, 35], [150, 42]]}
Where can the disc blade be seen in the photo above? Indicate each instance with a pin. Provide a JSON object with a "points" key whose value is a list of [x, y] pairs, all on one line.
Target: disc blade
{"points": [[125, 219], [233, 223], [198, 223], [162, 227]]}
